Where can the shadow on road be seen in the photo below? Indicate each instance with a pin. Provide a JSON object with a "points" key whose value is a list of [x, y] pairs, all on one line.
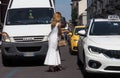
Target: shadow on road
{"points": [[26, 63]]}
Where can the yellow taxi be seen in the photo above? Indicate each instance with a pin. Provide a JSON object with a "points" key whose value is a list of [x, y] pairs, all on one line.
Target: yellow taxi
{"points": [[74, 37]]}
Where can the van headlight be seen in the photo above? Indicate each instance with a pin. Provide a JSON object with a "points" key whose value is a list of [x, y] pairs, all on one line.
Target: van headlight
{"points": [[5, 37], [95, 49], [45, 38]]}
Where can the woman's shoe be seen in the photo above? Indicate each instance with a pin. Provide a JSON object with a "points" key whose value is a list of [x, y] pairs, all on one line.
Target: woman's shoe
{"points": [[61, 68], [51, 69], [57, 69]]}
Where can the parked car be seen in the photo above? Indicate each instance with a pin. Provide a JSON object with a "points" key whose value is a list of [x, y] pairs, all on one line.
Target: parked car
{"points": [[74, 37], [99, 46]]}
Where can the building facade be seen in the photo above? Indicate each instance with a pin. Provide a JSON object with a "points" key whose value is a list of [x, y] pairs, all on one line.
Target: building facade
{"points": [[82, 13], [0, 11], [79, 14], [103, 8], [74, 12], [83, 10]]}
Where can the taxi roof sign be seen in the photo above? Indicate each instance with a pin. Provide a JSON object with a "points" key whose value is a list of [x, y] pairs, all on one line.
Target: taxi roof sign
{"points": [[113, 17]]}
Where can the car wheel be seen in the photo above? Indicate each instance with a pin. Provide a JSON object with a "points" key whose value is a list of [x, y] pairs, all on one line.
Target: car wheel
{"points": [[78, 60], [70, 50], [85, 73]]}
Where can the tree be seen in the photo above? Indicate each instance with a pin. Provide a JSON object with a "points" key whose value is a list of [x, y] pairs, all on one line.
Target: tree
{"points": [[74, 15]]}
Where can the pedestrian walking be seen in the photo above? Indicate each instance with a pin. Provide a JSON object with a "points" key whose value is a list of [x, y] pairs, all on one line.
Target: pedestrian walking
{"points": [[53, 59]]}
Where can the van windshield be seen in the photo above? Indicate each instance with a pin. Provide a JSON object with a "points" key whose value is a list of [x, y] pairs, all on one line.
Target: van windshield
{"points": [[29, 16]]}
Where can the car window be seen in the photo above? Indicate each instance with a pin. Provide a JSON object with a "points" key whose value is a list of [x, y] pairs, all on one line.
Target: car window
{"points": [[105, 28]]}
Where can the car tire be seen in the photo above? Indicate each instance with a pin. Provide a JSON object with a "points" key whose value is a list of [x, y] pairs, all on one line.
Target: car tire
{"points": [[85, 73], [78, 60], [82, 67], [70, 49]]}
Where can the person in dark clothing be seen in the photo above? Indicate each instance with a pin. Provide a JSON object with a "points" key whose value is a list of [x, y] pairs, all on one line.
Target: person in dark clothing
{"points": [[63, 22]]}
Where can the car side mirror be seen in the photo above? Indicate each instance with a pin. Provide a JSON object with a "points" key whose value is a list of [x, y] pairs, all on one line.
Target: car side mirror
{"points": [[82, 32]]}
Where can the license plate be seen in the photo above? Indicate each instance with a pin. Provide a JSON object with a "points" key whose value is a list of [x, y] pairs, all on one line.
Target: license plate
{"points": [[28, 54]]}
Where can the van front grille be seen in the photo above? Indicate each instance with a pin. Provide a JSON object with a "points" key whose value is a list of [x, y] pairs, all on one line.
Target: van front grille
{"points": [[29, 49], [28, 38]]}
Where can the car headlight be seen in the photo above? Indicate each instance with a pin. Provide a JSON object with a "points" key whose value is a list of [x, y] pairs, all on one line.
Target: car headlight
{"points": [[75, 40], [5, 37], [95, 49]]}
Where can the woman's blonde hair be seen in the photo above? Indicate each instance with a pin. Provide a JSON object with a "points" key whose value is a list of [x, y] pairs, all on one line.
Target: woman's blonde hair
{"points": [[56, 18]]}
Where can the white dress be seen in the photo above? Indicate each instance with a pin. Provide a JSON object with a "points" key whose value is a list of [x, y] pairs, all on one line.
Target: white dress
{"points": [[53, 56]]}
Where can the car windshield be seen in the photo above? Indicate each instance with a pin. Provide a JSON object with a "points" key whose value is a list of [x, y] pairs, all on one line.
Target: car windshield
{"points": [[77, 29], [29, 16], [105, 28]]}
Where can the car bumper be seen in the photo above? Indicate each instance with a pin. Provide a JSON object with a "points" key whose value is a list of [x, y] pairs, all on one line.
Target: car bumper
{"points": [[74, 46], [100, 63], [24, 50]]}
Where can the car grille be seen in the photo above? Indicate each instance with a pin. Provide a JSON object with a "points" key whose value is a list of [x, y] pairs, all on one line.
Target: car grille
{"points": [[114, 68], [112, 53], [28, 38]]}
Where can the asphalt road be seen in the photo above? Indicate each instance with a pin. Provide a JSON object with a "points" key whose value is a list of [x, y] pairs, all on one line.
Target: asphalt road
{"points": [[35, 70]]}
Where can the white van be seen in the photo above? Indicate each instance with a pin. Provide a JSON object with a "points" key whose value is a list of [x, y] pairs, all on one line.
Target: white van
{"points": [[26, 29]]}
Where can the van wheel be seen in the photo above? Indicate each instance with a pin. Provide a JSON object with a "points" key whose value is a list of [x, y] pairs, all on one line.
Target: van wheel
{"points": [[5, 60]]}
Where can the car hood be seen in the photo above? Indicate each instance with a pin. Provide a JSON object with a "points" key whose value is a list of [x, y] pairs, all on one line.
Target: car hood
{"points": [[108, 42], [75, 37], [27, 30]]}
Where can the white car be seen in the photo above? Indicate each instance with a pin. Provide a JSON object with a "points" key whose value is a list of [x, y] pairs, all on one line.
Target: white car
{"points": [[99, 46]]}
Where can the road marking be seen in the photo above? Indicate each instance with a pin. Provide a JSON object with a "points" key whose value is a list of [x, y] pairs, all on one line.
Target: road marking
{"points": [[12, 72]]}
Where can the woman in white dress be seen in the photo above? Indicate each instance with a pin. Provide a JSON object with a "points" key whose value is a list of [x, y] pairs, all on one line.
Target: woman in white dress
{"points": [[53, 57]]}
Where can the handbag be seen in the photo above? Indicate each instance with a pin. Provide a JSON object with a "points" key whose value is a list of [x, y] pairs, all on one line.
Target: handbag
{"points": [[62, 42]]}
